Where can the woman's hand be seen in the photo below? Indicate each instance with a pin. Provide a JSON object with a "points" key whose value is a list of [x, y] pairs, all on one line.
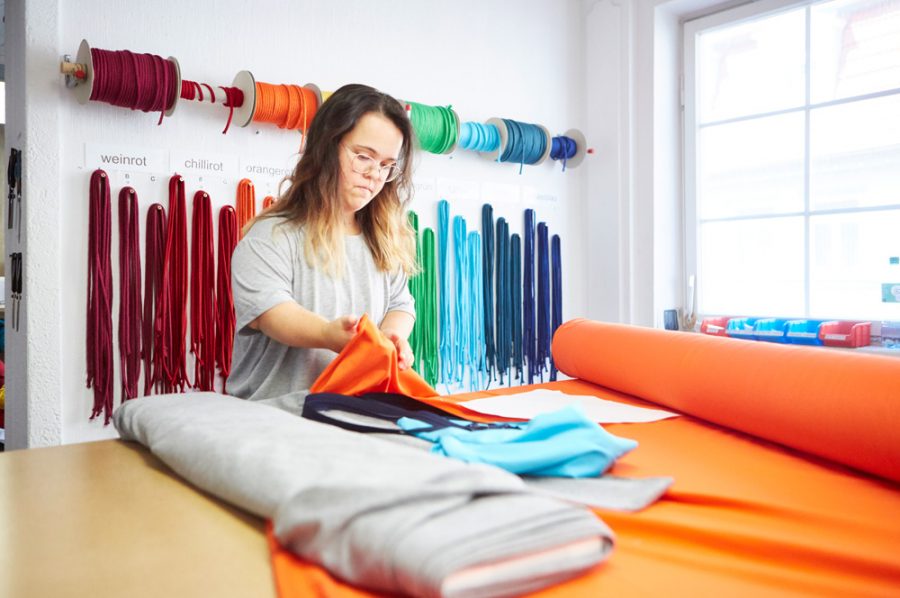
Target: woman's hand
{"points": [[338, 332], [405, 355]]}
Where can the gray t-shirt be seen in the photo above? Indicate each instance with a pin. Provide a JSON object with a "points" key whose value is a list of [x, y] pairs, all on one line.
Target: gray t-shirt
{"points": [[268, 268]]}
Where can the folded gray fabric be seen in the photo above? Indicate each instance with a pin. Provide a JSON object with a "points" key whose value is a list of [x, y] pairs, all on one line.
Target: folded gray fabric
{"points": [[377, 514], [607, 492]]}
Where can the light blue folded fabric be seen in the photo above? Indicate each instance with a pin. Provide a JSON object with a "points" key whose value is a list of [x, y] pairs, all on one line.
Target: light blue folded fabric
{"points": [[563, 443]]}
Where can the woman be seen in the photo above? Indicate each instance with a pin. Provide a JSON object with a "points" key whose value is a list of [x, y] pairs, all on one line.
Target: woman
{"points": [[336, 245]]}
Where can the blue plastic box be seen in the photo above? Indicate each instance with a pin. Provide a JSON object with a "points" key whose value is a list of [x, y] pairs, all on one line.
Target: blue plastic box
{"points": [[770, 329], [803, 332], [741, 328]]}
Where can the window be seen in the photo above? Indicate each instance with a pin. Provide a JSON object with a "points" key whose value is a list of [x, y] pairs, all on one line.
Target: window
{"points": [[792, 159]]}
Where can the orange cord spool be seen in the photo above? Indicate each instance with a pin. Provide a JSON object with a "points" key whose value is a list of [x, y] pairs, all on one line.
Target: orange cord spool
{"points": [[288, 106], [246, 203]]}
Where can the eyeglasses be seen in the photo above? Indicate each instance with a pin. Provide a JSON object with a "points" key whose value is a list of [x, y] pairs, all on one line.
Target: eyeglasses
{"points": [[363, 164]]}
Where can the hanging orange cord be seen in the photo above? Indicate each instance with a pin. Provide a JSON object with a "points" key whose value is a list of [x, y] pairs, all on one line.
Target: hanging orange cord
{"points": [[245, 204], [288, 106], [268, 200]]}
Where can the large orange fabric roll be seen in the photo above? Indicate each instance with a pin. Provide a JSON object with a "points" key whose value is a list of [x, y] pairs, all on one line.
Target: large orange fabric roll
{"points": [[838, 404]]}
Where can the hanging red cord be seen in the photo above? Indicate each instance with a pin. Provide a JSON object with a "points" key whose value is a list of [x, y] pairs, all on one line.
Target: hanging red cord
{"points": [[171, 315], [138, 81], [129, 293], [203, 298], [99, 298], [154, 256], [225, 319], [246, 204]]}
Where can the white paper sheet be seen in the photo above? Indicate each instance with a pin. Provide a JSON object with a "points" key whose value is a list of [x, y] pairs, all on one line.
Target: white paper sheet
{"points": [[528, 404]]}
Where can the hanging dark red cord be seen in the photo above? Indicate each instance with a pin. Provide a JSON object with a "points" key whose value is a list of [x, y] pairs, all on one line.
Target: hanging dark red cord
{"points": [[99, 297], [171, 312], [225, 319], [203, 298], [154, 256], [129, 293]]}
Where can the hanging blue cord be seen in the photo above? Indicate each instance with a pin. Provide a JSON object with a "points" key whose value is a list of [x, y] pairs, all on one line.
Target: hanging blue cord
{"points": [[478, 137], [446, 336], [477, 368], [529, 341], [462, 305], [487, 283], [543, 303], [516, 308], [525, 143], [504, 340], [556, 258], [563, 148]]}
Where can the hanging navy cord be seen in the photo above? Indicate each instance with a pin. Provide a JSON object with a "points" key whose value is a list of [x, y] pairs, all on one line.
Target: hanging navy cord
{"points": [[516, 308], [543, 308], [388, 407], [556, 257], [487, 263], [503, 295], [528, 337]]}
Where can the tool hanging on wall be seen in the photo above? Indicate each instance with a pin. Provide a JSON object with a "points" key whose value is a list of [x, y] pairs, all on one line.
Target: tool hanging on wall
{"points": [[14, 181], [17, 290]]}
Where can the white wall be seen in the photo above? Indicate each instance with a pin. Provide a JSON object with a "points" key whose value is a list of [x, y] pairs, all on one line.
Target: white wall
{"points": [[523, 60]]}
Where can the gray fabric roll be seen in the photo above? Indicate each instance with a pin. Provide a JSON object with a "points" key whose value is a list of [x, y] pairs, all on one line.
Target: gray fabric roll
{"points": [[377, 514]]}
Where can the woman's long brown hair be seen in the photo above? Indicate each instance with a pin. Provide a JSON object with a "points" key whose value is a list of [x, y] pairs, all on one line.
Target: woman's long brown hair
{"points": [[311, 200]]}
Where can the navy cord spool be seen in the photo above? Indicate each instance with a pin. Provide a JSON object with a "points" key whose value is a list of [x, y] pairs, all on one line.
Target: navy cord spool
{"points": [[487, 273], [515, 252], [543, 308], [563, 148], [446, 336], [556, 273], [529, 341], [525, 143]]}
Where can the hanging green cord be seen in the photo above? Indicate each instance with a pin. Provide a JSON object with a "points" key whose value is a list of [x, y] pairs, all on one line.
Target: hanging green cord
{"points": [[429, 315], [415, 286], [436, 127]]}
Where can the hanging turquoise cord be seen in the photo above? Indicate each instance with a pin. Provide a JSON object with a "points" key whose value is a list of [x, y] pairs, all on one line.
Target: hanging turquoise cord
{"points": [[429, 315], [487, 261], [436, 127], [563, 148], [556, 259], [446, 341], [461, 337], [543, 300], [415, 289], [515, 261], [504, 339], [529, 341], [525, 143], [478, 137], [476, 357]]}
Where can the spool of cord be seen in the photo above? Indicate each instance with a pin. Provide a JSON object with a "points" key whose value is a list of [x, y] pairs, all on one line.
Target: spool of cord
{"points": [[479, 137], [436, 127]]}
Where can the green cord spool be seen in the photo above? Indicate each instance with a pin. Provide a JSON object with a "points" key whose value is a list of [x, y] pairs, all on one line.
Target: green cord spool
{"points": [[436, 127]]}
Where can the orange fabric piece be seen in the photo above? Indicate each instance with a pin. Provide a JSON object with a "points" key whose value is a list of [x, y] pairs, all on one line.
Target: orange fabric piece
{"points": [[744, 518], [841, 405], [369, 364]]}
